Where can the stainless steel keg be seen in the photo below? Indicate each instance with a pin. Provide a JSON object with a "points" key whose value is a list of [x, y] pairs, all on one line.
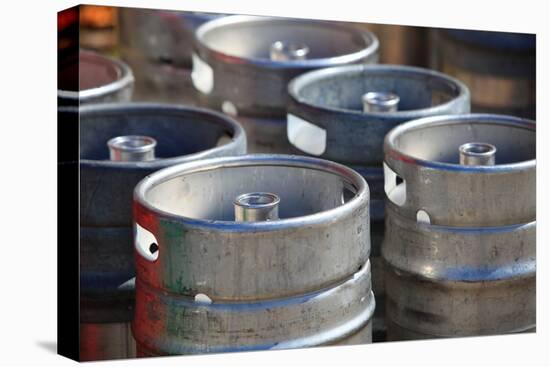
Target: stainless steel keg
{"points": [[343, 114], [100, 79], [242, 65], [158, 44], [119, 145], [498, 67], [460, 218], [251, 253]]}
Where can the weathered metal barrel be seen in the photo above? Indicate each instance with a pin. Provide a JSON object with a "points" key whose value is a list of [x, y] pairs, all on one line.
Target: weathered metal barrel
{"points": [[101, 79], [327, 118], [499, 68], [460, 240], [158, 44], [294, 274], [107, 181], [243, 64]]}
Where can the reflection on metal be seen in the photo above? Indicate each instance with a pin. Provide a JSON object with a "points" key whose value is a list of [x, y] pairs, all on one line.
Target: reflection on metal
{"points": [[283, 51]]}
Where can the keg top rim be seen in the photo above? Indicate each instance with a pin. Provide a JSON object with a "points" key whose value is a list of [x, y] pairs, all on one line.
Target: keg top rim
{"points": [[390, 141], [299, 82], [126, 78], [107, 108], [370, 39], [360, 199]]}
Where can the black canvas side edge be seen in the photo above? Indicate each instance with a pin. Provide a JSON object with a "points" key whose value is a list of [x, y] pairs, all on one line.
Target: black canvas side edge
{"points": [[68, 329]]}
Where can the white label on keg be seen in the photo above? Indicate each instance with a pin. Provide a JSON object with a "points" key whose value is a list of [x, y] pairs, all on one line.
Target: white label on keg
{"points": [[306, 136], [202, 75], [146, 243]]}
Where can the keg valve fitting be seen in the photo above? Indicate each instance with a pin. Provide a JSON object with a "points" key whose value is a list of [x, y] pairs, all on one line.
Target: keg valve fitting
{"points": [[477, 154], [283, 51], [132, 148], [380, 102], [256, 207]]}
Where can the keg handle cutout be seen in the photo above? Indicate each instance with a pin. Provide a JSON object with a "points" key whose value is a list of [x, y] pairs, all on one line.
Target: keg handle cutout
{"points": [[394, 186], [306, 136], [422, 216], [348, 192], [146, 243], [202, 75], [203, 299]]}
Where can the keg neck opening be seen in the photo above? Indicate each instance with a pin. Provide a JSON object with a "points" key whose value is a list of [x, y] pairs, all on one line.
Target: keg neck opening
{"points": [[375, 89], [252, 193], [467, 141], [178, 132], [282, 40]]}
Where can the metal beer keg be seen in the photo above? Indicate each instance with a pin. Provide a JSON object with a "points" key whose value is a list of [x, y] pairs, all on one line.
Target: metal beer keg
{"points": [[461, 222], [343, 114], [119, 145], [242, 65], [498, 67], [158, 44], [248, 253]]}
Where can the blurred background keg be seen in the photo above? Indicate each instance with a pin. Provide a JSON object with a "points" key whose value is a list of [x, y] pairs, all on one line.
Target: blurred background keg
{"points": [[243, 64], [119, 145], [498, 67], [251, 253], [401, 44], [158, 45], [460, 218], [101, 79], [98, 28], [343, 114]]}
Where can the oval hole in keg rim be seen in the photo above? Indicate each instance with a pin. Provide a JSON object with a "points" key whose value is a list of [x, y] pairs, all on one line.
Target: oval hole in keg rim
{"points": [[202, 298], [144, 241], [394, 186], [422, 216]]}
